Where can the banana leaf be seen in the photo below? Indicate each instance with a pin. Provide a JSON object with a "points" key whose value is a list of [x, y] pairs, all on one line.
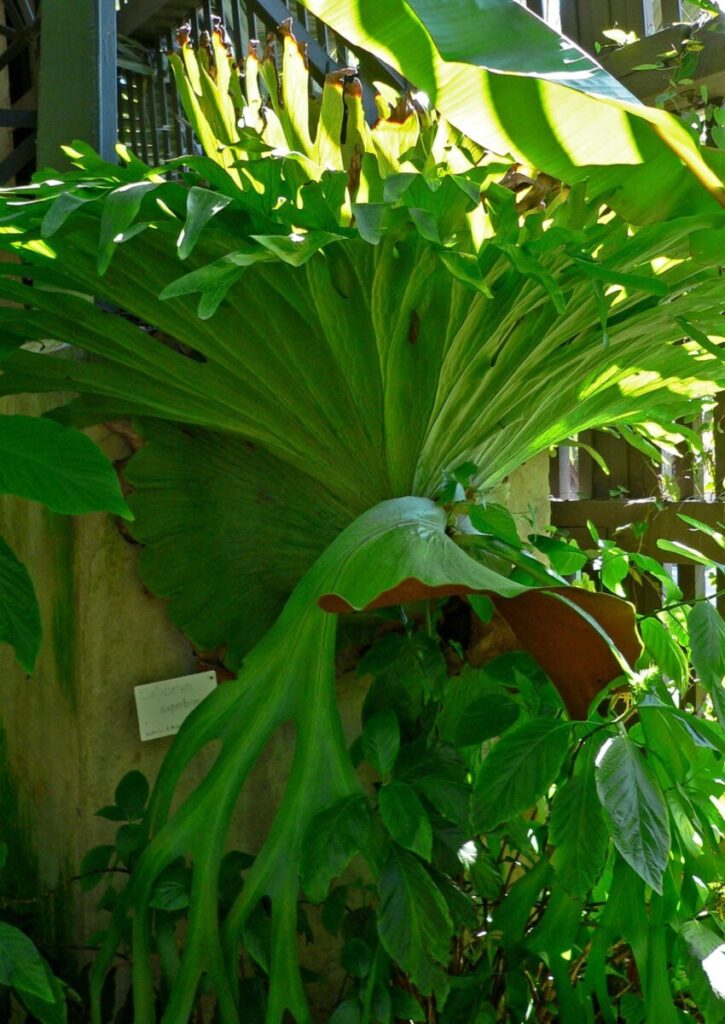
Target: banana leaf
{"points": [[515, 86]]}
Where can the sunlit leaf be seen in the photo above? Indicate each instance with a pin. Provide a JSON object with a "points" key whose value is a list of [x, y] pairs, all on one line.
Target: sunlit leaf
{"points": [[413, 920], [518, 770], [707, 638], [634, 808], [577, 828], [405, 818]]}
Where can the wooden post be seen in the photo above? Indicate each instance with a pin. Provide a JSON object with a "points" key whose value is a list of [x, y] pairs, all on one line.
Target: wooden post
{"points": [[77, 87]]}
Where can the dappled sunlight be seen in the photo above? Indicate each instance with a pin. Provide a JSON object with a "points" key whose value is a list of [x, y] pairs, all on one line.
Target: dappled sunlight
{"points": [[661, 264], [578, 133], [635, 381], [714, 967], [39, 247], [618, 291]]}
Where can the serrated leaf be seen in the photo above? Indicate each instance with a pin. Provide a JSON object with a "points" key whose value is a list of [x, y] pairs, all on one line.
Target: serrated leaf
{"points": [[707, 639], [131, 795], [519, 769], [405, 818], [381, 741], [440, 775], [664, 650], [473, 712], [413, 919], [577, 828], [20, 623], [634, 808], [332, 839], [21, 965]]}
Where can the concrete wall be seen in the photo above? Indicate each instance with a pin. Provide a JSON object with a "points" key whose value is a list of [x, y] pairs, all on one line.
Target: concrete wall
{"points": [[70, 729], [529, 492]]}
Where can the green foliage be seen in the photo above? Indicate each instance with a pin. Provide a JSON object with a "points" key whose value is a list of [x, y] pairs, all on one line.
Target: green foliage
{"points": [[26, 976], [634, 807], [519, 768], [383, 312], [414, 923], [381, 741], [577, 828], [531, 862], [380, 399], [66, 471], [707, 639], [19, 612]]}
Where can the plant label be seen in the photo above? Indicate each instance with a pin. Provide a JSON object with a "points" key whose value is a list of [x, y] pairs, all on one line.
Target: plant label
{"points": [[163, 706]]}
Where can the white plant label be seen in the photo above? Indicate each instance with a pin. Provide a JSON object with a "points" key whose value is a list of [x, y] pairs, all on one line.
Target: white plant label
{"points": [[163, 706]]}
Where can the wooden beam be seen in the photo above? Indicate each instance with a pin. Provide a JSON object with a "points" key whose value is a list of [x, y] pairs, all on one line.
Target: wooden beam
{"points": [[13, 118], [615, 517], [17, 159], [646, 85]]}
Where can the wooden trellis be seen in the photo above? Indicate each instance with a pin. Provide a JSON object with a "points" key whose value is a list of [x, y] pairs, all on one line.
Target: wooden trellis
{"points": [[18, 94], [637, 491]]}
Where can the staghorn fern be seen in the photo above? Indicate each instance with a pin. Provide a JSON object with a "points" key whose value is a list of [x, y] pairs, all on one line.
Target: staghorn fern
{"points": [[373, 313]]}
